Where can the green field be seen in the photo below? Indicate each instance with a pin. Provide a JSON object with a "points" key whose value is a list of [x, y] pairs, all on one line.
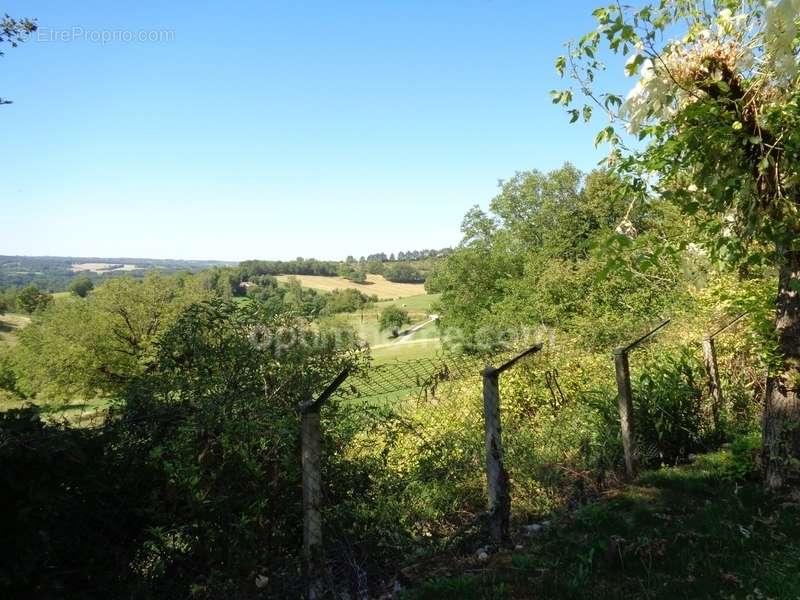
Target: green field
{"points": [[412, 343], [420, 339]]}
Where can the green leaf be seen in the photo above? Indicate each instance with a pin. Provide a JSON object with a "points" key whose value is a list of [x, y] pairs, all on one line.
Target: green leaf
{"points": [[612, 99], [561, 64], [632, 66], [737, 125], [601, 14]]}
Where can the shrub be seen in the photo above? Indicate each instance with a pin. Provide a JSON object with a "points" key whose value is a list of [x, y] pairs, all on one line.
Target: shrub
{"points": [[667, 403], [743, 462]]}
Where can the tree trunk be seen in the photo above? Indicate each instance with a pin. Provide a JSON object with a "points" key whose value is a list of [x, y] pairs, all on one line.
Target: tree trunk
{"points": [[781, 433]]}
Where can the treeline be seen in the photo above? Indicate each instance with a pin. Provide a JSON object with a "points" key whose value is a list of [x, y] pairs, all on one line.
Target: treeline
{"points": [[299, 266], [408, 255], [354, 270], [310, 303], [55, 274]]}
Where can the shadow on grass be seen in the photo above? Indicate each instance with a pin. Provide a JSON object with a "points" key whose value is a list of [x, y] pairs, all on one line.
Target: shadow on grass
{"points": [[682, 532]]}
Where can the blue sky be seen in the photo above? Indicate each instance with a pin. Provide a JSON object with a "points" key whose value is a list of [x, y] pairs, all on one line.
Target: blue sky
{"points": [[275, 129]]}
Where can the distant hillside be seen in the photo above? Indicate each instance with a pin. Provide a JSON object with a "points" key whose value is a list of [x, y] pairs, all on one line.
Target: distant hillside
{"points": [[53, 273]]}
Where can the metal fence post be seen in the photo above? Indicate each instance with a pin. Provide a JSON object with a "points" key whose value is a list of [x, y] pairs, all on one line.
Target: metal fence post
{"points": [[626, 420], [312, 500], [714, 384], [623, 372], [499, 484], [311, 457], [496, 474]]}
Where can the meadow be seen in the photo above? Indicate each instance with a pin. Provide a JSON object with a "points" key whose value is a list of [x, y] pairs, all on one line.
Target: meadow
{"points": [[419, 339]]}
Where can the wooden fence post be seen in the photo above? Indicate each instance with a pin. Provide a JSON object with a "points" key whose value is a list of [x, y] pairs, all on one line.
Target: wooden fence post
{"points": [[623, 372], [496, 474], [312, 499], [710, 357]]}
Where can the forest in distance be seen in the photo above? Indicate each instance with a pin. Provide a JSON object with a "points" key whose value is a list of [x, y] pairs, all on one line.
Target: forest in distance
{"points": [[594, 394]]}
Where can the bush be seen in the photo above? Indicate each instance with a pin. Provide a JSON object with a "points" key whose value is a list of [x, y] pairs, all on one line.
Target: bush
{"points": [[667, 403], [191, 487], [81, 286], [743, 462]]}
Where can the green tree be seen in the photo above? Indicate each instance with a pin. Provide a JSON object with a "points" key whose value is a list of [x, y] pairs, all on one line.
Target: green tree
{"points": [[715, 107], [346, 300], [393, 318], [533, 260], [403, 273], [100, 345], [31, 300], [374, 266], [81, 286]]}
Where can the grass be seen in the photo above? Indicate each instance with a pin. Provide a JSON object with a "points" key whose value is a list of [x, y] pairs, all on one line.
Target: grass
{"points": [[76, 412], [423, 303], [424, 348], [423, 342], [10, 323], [376, 284], [683, 532]]}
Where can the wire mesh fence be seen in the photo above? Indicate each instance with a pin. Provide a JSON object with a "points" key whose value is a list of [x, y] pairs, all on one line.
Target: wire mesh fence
{"points": [[400, 468], [416, 430]]}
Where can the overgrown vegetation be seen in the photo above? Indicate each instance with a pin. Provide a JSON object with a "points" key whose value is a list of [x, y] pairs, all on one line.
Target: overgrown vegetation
{"points": [[204, 385], [191, 484], [682, 532]]}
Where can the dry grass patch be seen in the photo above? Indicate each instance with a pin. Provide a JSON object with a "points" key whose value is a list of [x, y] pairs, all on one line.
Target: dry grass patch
{"points": [[376, 284]]}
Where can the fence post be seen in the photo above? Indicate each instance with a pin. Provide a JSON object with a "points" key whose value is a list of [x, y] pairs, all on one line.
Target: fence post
{"points": [[496, 474], [710, 357], [312, 499], [623, 372], [311, 459]]}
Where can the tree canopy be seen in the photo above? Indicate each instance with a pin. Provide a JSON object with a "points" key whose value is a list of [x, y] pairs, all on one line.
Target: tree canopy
{"points": [[81, 286], [714, 108]]}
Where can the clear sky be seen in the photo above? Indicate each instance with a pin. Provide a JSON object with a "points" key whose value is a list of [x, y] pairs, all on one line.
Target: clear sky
{"points": [[275, 129]]}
